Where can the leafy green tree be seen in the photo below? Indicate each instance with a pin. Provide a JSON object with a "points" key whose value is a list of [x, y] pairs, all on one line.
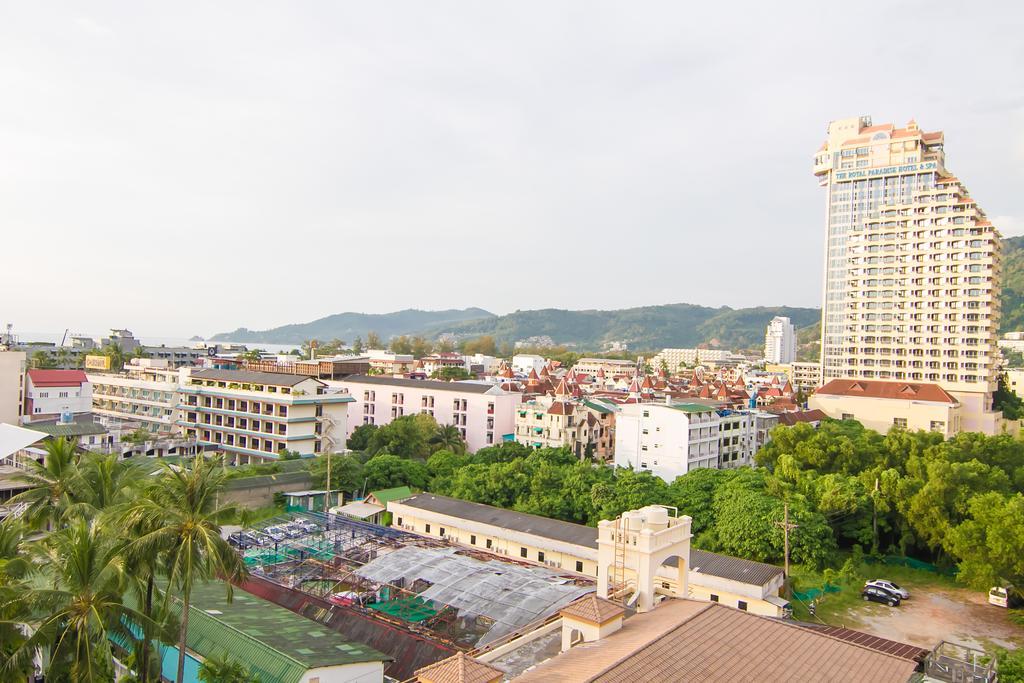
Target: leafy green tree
{"points": [[14, 568], [407, 436], [181, 507], [388, 471], [447, 437], [628, 491], [451, 373], [507, 451], [694, 493], [990, 544], [139, 352], [360, 439], [1006, 400], [373, 341], [42, 360], [442, 466], [115, 352], [483, 345], [253, 355], [401, 344], [346, 473], [225, 670], [357, 345]]}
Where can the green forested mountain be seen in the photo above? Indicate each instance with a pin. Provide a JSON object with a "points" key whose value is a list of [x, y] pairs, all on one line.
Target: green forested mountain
{"points": [[1013, 284], [348, 326], [648, 327]]}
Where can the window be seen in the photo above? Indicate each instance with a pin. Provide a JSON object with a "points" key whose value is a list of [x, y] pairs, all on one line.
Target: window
{"points": [[742, 605], [489, 542], [428, 528], [472, 539], [399, 521], [540, 556], [900, 422], [522, 552], [579, 566], [714, 598], [63, 394], [847, 416], [938, 426], [442, 531]]}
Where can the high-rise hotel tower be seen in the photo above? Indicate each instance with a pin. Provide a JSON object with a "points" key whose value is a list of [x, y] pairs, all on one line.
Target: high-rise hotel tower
{"points": [[912, 267]]}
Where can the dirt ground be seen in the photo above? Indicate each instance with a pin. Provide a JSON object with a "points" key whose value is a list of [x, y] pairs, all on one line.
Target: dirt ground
{"points": [[958, 616]]}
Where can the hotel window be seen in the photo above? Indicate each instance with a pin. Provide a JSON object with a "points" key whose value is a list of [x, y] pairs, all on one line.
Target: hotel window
{"points": [[472, 538], [522, 552], [399, 521], [441, 532], [900, 422], [427, 528], [847, 416], [540, 556], [489, 543], [742, 605], [714, 598], [938, 426], [579, 566]]}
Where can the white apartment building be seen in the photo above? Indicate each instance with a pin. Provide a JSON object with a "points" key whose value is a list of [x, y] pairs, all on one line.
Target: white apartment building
{"points": [[12, 386], [483, 412], [912, 267], [780, 341], [612, 367], [49, 394], [523, 363], [252, 416], [146, 391], [674, 359], [743, 432], [667, 439]]}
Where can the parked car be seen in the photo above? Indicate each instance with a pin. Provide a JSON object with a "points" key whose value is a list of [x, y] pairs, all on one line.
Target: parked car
{"points": [[277, 535], [885, 584], [292, 530], [260, 537], [308, 526], [875, 594], [1004, 596], [242, 540]]}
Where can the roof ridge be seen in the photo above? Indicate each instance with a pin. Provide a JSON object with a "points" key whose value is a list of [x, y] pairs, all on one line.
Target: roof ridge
{"points": [[654, 636]]}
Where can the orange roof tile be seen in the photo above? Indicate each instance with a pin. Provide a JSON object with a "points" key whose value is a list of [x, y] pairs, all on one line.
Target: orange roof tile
{"points": [[906, 391], [460, 668], [592, 608]]}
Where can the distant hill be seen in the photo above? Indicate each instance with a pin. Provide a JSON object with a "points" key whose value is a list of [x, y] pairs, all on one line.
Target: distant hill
{"points": [[348, 326], [1013, 285], [645, 328], [648, 327]]}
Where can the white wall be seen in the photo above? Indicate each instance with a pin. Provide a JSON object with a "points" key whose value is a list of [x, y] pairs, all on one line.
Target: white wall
{"points": [[362, 672], [675, 444], [48, 400], [12, 383]]}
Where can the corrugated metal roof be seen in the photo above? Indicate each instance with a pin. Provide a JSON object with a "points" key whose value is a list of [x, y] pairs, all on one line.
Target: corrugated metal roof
{"points": [[733, 568], [71, 429], [385, 496], [274, 643], [425, 384], [544, 527], [277, 379]]}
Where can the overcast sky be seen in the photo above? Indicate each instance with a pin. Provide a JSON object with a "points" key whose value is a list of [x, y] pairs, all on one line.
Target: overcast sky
{"points": [[181, 168]]}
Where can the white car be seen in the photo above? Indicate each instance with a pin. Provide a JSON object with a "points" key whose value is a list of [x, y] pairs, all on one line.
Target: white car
{"points": [[889, 586]]}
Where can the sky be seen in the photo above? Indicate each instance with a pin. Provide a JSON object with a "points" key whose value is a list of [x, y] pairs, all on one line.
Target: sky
{"points": [[182, 168]]}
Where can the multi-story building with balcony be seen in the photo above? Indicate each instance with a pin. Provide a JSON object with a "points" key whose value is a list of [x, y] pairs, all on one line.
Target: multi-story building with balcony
{"points": [[912, 268], [586, 426], [667, 439], [484, 413], [146, 392], [253, 416], [742, 433], [780, 341], [675, 359]]}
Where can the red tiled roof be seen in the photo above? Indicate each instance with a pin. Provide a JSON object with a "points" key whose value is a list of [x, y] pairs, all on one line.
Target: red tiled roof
{"points": [[57, 378], [906, 391]]}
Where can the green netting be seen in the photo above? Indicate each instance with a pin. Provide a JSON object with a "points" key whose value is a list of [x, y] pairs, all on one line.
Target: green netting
{"points": [[899, 561], [813, 593], [412, 609]]}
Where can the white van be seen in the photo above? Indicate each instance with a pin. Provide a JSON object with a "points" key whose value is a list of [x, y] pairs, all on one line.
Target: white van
{"points": [[1002, 596]]}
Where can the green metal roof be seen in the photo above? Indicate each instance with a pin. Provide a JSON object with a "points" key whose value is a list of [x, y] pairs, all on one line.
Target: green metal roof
{"points": [[692, 408], [274, 643], [603, 409], [72, 429], [385, 496]]}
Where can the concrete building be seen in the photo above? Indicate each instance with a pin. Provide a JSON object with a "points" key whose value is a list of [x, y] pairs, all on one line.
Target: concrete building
{"points": [[912, 267], [146, 391], [674, 359], [803, 375], [587, 427], [1015, 380], [753, 586], [780, 341], [742, 433], [483, 413], [667, 439], [383, 362], [523, 363], [883, 405], [52, 393], [252, 416], [612, 367], [12, 386]]}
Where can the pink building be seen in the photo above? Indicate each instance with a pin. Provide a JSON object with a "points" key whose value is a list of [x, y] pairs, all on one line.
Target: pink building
{"points": [[484, 413]]}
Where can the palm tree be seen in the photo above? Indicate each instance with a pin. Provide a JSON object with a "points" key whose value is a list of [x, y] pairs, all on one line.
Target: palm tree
{"points": [[139, 352], [105, 481], [182, 511], [216, 670], [13, 568], [447, 437], [75, 619], [116, 354], [53, 484]]}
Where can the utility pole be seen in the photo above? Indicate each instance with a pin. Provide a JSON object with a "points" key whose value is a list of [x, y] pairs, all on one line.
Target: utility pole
{"points": [[786, 528], [327, 498]]}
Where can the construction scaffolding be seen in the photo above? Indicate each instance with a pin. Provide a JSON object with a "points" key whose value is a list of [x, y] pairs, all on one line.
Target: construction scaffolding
{"points": [[460, 597]]}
